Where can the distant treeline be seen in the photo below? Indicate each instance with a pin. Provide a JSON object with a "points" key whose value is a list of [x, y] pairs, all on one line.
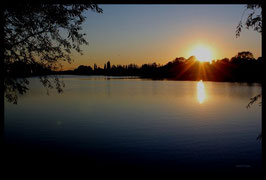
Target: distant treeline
{"points": [[243, 68]]}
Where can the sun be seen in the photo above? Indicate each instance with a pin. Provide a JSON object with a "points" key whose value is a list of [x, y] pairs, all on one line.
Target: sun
{"points": [[202, 53]]}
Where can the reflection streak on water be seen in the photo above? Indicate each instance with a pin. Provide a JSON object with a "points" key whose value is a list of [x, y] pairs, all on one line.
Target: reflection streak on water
{"points": [[201, 94]]}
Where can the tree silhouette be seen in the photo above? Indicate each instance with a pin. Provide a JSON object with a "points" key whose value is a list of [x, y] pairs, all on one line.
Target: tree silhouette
{"points": [[254, 19], [40, 35], [108, 65], [245, 55], [240, 68]]}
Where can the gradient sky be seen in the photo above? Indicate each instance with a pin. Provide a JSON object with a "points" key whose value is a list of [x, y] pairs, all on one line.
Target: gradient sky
{"points": [[140, 34]]}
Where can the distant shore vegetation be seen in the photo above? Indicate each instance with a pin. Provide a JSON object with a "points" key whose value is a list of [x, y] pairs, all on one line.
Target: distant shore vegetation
{"points": [[241, 68]]}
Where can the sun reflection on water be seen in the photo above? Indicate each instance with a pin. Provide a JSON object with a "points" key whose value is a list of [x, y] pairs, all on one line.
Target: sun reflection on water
{"points": [[201, 94]]}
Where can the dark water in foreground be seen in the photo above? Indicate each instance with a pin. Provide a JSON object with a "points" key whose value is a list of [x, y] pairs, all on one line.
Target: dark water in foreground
{"points": [[100, 124]]}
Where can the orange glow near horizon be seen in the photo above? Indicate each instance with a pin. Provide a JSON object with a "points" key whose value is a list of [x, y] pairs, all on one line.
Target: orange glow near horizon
{"points": [[201, 94], [202, 53]]}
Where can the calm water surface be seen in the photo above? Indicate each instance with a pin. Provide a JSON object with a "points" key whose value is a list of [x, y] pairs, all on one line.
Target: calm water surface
{"points": [[157, 125]]}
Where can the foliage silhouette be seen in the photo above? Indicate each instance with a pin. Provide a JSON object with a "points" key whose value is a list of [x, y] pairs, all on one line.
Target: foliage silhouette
{"points": [[36, 39], [243, 68], [254, 20]]}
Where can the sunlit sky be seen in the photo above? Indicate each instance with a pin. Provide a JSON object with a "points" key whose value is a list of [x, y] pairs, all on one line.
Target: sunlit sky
{"points": [[140, 34]]}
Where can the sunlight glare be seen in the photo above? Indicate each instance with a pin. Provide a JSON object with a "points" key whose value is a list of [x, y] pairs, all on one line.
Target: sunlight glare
{"points": [[202, 53]]}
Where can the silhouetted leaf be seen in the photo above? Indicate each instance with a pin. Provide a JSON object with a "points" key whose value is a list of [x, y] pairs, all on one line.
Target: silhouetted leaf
{"points": [[33, 35]]}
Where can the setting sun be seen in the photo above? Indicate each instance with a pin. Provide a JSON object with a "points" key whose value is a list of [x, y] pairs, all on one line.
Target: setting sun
{"points": [[202, 53]]}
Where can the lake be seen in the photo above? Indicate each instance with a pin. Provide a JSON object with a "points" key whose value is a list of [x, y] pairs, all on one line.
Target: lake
{"points": [[127, 123]]}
